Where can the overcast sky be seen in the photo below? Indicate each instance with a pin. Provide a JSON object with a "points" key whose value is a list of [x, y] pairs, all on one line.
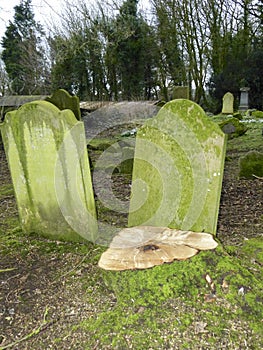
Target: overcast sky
{"points": [[44, 10]]}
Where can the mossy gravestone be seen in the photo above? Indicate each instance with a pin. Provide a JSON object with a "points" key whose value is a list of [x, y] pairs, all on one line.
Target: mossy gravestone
{"points": [[228, 102], [46, 151], [177, 175], [180, 92], [178, 170], [63, 100]]}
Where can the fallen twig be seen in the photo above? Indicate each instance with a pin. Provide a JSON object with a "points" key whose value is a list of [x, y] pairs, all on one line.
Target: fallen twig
{"points": [[257, 177], [7, 270], [30, 335], [74, 268]]}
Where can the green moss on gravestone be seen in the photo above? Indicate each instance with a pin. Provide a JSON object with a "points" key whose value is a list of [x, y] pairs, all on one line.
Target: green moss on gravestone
{"points": [[180, 92], [251, 165], [46, 151], [233, 127], [178, 169], [63, 100]]}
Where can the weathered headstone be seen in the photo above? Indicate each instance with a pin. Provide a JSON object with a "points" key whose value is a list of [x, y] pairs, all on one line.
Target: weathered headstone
{"points": [[243, 103], [47, 155], [178, 170], [63, 100], [180, 92], [228, 102]]}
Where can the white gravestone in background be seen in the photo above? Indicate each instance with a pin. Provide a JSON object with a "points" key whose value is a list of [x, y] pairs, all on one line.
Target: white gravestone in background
{"points": [[228, 102], [243, 104]]}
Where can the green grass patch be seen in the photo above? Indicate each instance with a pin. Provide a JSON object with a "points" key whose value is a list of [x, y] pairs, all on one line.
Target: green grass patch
{"points": [[252, 140], [6, 190], [251, 164], [101, 143], [129, 326], [177, 296]]}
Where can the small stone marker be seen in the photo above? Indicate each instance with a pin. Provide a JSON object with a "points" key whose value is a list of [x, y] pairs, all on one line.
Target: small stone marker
{"points": [[243, 103], [228, 102], [178, 170], [47, 155]]}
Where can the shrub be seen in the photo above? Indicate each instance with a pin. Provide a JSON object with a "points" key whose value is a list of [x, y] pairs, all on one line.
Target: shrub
{"points": [[251, 164], [233, 127], [257, 114]]}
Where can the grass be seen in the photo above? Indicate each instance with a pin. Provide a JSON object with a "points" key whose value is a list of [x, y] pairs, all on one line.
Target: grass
{"points": [[6, 190], [251, 140]]}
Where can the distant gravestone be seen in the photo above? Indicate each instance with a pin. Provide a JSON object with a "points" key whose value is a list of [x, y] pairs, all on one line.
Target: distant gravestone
{"points": [[243, 103], [228, 102], [178, 170], [180, 92], [63, 100], [46, 151]]}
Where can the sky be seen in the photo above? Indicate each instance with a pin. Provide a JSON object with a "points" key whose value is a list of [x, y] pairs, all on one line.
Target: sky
{"points": [[45, 11], [42, 10]]}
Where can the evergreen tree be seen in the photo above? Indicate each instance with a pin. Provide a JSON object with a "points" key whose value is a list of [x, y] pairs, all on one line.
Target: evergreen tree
{"points": [[22, 52], [77, 64], [100, 56], [130, 51], [239, 51]]}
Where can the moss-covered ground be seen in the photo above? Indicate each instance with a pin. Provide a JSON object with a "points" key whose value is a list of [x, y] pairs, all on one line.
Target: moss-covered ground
{"points": [[54, 296]]}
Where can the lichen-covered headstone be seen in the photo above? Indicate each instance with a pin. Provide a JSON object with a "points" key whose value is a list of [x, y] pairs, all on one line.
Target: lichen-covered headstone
{"points": [[180, 92], [178, 170], [228, 102], [47, 155], [63, 100]]}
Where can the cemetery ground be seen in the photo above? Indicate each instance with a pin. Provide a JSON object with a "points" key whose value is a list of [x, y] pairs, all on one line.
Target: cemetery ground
{"points": [[54, 296]]}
